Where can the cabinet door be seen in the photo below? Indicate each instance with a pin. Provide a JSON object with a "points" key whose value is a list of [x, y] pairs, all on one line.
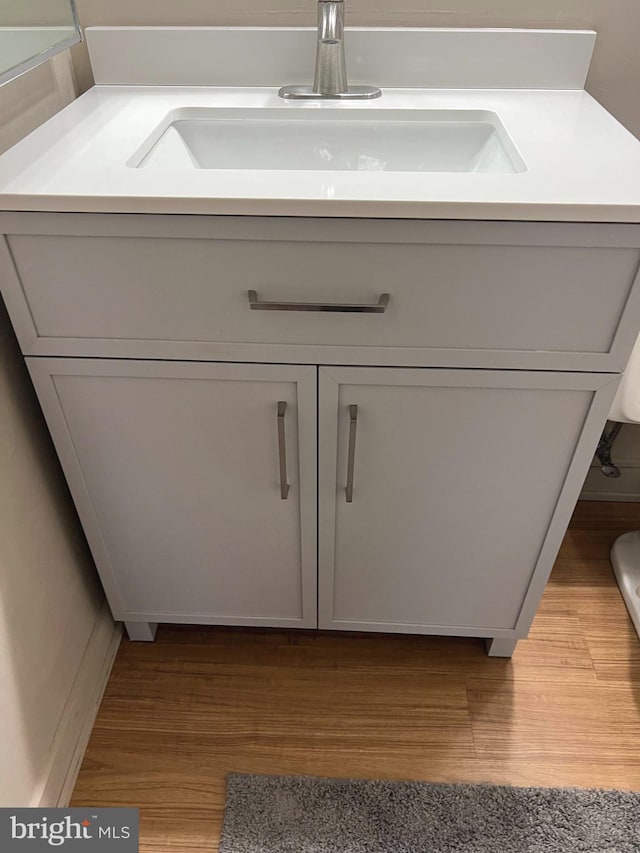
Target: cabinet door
{"points": [[463, 482], [177, 472]]}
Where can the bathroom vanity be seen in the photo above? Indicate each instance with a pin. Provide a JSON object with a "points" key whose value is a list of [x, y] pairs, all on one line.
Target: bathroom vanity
{"points": [[353, 400]]}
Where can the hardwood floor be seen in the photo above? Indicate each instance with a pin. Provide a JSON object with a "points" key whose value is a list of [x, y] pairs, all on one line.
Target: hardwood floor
{"points": [[180, 713]]}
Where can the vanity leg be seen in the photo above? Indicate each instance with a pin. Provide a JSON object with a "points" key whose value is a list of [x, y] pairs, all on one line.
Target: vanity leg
{"points": [[499, 647], [141, 631]]}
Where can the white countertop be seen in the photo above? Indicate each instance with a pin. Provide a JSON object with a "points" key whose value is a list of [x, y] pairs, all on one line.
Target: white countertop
{"points": [[582, 165]]}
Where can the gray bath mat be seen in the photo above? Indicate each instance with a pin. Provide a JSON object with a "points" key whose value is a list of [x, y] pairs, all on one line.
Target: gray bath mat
{"points": [[300, 814]]}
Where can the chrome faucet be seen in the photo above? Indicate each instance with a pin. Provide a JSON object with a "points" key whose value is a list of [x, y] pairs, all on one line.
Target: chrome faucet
{"points": [[330, 78]]}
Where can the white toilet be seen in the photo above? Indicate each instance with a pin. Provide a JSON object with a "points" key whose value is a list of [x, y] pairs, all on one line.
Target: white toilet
{"points": [[625, 554]]}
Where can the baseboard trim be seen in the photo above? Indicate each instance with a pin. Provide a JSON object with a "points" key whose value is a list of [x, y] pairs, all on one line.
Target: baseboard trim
{"points": [[76, 723], [626, 487]]}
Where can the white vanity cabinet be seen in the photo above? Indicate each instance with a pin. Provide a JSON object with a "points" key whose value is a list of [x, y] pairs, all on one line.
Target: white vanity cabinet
{"points": [[196, 483], [433, 436], [454, 477]]}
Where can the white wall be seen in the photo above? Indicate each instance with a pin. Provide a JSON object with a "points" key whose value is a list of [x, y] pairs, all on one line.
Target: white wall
{"points": [[53, 628], [626, 455], [32, 98]]}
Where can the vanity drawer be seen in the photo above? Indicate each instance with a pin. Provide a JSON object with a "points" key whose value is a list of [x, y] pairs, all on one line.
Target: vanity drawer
{"points": [[537, 292]]}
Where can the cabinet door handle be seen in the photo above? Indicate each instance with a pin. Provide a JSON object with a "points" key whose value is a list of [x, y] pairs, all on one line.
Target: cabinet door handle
{"points": [[282, 451], [341, 307], [351, 457]]}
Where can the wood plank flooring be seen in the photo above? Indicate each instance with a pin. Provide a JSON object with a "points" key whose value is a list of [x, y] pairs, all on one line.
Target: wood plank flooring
{"points": [[180, 713]]}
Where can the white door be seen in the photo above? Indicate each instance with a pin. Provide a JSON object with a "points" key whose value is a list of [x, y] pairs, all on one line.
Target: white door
{"points": [[444, 494], [195, 483]]}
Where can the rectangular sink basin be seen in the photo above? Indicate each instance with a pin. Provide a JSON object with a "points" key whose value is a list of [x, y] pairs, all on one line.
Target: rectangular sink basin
{"points": [[324, 139]]}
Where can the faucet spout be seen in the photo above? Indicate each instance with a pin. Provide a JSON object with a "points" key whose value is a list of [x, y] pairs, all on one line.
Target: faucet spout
{"points": [[330, 77], [331, 69], [330, 20]]}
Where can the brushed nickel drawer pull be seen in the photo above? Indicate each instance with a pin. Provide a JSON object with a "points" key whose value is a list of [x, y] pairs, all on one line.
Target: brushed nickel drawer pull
{"points": [[340, 307], [353, 425], [282, 451]]}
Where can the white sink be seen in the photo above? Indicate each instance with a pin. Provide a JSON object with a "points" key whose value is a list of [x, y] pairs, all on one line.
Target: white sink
{"points": [[357, 140]]}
